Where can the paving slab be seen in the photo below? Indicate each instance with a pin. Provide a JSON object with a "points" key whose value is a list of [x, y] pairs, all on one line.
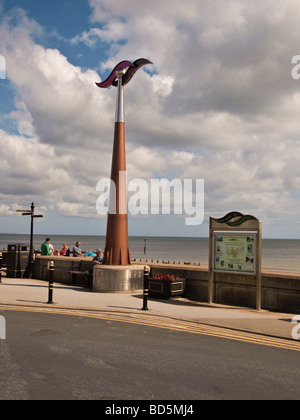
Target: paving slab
{"points": [[34, 293]]}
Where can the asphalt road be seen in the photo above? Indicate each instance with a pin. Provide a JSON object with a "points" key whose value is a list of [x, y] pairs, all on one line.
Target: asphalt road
{"points": [[60, 357]]}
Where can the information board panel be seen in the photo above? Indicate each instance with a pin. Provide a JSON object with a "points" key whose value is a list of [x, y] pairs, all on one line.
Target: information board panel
{"points": [[235, 252]]}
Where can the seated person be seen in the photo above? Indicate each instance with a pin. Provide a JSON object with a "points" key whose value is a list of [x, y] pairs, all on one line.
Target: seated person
{"points": [[90, 254], [77, 250], [65, 252], [98, 259], [45, 250]]}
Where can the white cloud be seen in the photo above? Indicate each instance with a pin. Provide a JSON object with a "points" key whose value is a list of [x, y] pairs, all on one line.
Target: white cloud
{"points": [[221, 105]]}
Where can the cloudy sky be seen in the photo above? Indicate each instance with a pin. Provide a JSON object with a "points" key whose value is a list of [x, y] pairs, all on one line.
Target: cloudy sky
{"points": [[219, 104]]}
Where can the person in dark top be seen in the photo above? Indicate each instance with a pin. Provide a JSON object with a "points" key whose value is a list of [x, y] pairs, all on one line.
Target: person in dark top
{"points": [[65, 252]]}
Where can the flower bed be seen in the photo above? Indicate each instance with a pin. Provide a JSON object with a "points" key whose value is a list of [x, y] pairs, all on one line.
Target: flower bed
{"points": [[166, 286]]}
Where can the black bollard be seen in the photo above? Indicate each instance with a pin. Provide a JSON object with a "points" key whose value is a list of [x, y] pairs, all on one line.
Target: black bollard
{"points": [[0, 267], [146, 288], [50, 291]]}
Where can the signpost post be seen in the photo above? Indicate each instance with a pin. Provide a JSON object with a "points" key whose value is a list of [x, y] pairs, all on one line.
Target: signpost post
{"points": [[29, 269]]}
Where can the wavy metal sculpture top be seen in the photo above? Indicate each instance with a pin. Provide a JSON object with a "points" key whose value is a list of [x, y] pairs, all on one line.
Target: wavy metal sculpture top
{"points": [[128, 75], [235, 219]]}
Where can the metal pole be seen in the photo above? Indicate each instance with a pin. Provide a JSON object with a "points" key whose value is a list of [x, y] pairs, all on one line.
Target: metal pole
{"points": [[258, 269], [50, 292], [0, 267], [120, 115], [146, 288], [29, 268], [30, 260], [211, 267]]}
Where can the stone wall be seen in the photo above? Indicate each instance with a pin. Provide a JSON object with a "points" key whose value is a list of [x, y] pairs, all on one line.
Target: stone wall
{"points": [[280, 291], [62, 267]]}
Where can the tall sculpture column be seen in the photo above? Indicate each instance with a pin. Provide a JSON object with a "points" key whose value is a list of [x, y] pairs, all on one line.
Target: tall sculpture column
{"points": [[117, 248], [117, 244]]}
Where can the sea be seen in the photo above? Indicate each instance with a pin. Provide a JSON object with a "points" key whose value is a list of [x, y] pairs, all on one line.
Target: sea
{"points": [[277, 254]]}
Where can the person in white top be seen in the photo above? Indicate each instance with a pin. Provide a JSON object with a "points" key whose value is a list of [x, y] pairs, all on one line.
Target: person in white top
{"points": [[51, 249]]}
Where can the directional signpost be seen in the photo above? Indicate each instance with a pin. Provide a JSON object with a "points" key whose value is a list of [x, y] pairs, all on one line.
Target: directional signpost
{"points": [[29, 269]]}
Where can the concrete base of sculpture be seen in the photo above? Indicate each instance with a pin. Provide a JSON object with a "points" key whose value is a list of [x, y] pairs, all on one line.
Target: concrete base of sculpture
{"points": [[118, 279]]}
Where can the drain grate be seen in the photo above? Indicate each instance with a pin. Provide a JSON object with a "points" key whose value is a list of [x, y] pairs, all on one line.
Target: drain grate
{"points": [[47, 332]]}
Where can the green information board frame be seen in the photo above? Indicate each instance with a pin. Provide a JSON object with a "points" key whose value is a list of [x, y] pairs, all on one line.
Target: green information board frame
{"points": [[235, 248]]}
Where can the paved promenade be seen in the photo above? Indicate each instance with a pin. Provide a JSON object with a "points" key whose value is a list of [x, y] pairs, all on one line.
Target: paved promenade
{"points": [[34, 294]]}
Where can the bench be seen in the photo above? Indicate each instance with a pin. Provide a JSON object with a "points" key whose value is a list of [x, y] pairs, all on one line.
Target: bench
{"points": [[85, 271]]}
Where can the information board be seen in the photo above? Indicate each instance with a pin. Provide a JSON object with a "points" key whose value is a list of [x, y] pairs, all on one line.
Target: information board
{"points": [[235, 252]]}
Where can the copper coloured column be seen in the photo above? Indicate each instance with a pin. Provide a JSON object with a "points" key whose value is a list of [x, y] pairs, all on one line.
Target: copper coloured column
{"points": [[116, 248]]}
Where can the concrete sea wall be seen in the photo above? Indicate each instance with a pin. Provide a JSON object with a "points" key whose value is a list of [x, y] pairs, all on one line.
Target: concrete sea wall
{"points": [[280, 291]]}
